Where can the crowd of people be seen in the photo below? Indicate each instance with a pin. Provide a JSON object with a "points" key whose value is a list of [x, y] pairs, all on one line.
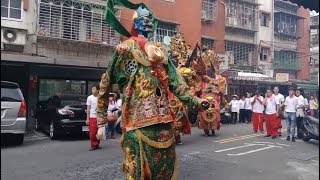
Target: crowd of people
{"points": [[271, 109]]}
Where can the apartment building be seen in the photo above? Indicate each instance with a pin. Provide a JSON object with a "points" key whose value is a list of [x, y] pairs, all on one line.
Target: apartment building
{"points": [[314, 49], [54, 46]]}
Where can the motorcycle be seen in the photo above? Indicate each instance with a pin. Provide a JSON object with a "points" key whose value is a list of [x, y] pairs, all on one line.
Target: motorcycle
{"points": [[225, 116], [310, 128]]}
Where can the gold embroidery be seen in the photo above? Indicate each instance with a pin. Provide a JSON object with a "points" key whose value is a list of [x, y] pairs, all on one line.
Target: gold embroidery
{"points": [[154, 143], [143, 86]]}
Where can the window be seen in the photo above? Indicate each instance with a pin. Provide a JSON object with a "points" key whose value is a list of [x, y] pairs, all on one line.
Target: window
{"points": [[286, 60], [264, 21], [242, 15], [242, 52], [164, 29], [76, 20], [286, 25], [264, 54], [209, 10], [207, 42], [11, 9]]}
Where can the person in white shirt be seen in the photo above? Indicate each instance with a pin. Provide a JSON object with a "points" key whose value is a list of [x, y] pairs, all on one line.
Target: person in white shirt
{"points": [[242, 110], [280, 98], [300, 112], [272, 107], [313, 106], [112, 108], [291, 103], [234, 106], [92, 102], [257, 112], [248, 108]]}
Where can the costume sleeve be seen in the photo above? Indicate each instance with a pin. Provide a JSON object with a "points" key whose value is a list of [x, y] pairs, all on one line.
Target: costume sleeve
{"points": [[113, 75], [179, 87]]}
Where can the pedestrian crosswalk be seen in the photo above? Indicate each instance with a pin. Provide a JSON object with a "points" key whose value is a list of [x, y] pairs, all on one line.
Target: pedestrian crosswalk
{"points": [[238, 138]]}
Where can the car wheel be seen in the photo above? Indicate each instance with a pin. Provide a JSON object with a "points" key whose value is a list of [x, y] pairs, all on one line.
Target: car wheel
{"points": [[306, 137], [36, 124], [19, 139], [52, 131]]}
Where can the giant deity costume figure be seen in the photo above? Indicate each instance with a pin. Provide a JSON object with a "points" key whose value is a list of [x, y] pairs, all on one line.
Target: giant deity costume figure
{"points": [[146, 75]]}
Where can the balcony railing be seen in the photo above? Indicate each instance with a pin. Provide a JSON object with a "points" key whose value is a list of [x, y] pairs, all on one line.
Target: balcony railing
{"points": [[242, 16], [75, 20], [287, 64], [209, 10]]}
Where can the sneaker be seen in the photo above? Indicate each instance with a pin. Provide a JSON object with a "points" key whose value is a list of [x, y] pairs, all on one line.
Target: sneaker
{"points": [[267, 135], [254, 131], [179, 142], [274, 137], [288, 138], [279, 134], [93, 148], [261, 131], [293, 139]]}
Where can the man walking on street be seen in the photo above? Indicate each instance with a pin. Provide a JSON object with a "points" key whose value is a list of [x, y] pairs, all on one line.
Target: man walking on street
{"points": [[291, 103], [242, 110], [257, 112], [248, 108], [271, 114], [300, 112], [280, 98], [92, 118]]}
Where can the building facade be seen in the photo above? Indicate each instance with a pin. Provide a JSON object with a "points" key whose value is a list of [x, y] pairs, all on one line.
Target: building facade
{"points": [[54, 47]]}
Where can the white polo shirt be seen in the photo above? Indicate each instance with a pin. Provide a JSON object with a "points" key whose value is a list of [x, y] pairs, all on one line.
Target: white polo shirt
{"points": [[247, 104], [234, 105], [300, 111], [92, 101], [241, 104], [279, 97], [257, 107], [291, 104], [271, 105]]}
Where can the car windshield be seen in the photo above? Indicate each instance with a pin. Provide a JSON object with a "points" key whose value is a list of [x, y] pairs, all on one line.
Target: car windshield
{"points": [[11, 95]]}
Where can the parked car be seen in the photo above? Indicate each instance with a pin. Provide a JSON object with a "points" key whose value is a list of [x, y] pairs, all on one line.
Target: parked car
{"points": [[13, 111], [62, 115]]}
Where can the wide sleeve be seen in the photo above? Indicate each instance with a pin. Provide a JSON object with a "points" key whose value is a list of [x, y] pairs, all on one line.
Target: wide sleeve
{"points": [[179, 87], [113, 75]]}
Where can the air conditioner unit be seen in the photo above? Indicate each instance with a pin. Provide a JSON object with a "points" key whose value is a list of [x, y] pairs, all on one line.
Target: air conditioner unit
{"points": [[13, 36]]}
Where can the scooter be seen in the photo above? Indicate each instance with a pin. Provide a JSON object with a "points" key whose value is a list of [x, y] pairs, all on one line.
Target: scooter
{"points": [[310, 128]]}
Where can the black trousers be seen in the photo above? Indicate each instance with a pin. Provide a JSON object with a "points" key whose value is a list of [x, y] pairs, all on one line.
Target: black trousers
{"points": [[299, 127], [234, 117], [242, 117], [248, 114]]}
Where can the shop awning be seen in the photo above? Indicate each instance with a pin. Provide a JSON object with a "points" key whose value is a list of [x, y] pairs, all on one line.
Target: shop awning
{"points": [[251, 76], [308, 86]]}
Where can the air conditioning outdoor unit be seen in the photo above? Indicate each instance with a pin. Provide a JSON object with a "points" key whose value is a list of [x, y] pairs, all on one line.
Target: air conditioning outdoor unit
{"points": [[13, 36]]}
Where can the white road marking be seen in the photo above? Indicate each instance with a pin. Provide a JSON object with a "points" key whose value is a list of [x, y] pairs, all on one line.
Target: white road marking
{"points": [[256, 150], [283, 144], [238, 147]]}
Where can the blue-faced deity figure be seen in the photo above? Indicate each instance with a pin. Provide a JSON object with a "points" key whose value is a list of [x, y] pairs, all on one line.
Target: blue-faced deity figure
{"points": [[143, 21]]}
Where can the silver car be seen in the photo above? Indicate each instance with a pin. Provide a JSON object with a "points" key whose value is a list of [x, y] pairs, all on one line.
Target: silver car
{"points": [[13, 111]]}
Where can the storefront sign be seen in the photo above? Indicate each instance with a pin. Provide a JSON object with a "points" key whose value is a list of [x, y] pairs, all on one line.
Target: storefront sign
{"points": [[282, 77]]}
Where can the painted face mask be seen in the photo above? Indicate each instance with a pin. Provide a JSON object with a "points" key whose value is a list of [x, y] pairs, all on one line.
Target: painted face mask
{"points": [[143, 21]]}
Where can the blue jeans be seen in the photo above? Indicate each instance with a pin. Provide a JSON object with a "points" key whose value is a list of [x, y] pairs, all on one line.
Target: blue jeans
{"points": [[291, 123]]}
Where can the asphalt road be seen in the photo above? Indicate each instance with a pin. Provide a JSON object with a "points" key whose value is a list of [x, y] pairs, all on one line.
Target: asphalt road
{"points": [[233, 154]]}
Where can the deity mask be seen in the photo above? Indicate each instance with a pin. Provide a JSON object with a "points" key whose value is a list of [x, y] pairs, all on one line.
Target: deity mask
{"points": [[143, 21]]}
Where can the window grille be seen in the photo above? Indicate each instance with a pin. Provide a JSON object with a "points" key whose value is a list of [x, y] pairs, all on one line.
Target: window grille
{"points": [[209, 10], [207, 42], [242, 15], [264, 54], [164, 29], [75, 20], [286, 60], [286, 25], [11, 9], [242, 52]]}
